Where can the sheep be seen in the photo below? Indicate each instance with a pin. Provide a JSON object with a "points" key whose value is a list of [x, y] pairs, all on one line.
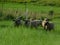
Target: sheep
{"points": [[33, 23], [36, 23], [44, 21], [17, 21], [27, 22], [47, 25]]}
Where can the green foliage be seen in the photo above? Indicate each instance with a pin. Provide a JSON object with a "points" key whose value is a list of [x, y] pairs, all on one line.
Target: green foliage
{"points": [[40, 2], [10, 35], [9, 17], [1, 16], [36, 9]]}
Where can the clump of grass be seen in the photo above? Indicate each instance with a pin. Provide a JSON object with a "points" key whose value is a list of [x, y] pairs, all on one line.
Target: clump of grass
{"points": [[9, 17], [1, 16], [28, 36]]}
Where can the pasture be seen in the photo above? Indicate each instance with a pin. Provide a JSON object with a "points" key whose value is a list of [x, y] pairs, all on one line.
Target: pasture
{"points": [[10, 35]]}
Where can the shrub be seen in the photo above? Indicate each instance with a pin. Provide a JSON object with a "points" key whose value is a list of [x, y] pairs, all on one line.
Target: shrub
{"points": [[9, 17], [1, 16]]}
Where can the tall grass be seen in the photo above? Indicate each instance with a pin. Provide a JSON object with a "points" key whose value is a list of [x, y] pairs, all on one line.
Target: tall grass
{"points": [[33, 10], [10, 35]]}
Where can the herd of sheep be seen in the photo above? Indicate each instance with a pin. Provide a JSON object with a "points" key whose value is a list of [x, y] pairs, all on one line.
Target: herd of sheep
{"points": [[45, 23]]}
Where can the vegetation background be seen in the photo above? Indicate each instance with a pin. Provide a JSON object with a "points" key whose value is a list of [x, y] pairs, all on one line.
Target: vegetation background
{"points": [[11, 9]]}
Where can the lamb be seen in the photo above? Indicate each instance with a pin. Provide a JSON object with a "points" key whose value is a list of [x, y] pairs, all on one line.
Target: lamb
{"points": [[47, 25], [33, 23], [17, 21]]}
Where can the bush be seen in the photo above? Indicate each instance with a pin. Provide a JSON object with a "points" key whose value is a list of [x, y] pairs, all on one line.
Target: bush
{"points": [[1, 16], [52, 4], [9, 17]]}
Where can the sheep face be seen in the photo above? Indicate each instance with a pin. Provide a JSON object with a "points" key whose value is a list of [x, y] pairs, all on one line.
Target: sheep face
{"points": [[47, 25]]}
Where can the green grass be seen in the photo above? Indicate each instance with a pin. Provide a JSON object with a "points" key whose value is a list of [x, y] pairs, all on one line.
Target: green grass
{"points": [[10, 35], [31, 7], [38, 10]]}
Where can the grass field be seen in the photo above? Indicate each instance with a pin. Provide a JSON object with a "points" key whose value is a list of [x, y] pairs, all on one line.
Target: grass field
{"points": [[11, 8], [10, 35], [30, 7]]}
